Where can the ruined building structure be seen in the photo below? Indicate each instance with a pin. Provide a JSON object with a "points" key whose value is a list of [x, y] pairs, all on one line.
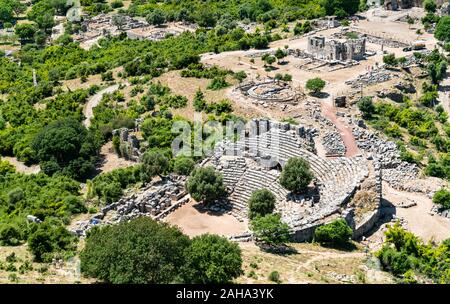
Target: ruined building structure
{"points": [[337, 49]]}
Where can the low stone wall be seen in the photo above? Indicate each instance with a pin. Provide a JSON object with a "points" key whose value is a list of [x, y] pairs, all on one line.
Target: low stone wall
{"points": [[305, 233], [372, 218], [366, 225], [174, 207]]}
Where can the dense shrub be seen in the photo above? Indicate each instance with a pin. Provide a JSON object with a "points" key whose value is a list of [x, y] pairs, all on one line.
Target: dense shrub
{"points": [[261, 202], [212, 259], [183, 165], [48, 239], [296, 175], [270, 230], [108, 187], [218, 83], [403, 252], [205, 185], [141, 251], [336, 233], [442, 198]]}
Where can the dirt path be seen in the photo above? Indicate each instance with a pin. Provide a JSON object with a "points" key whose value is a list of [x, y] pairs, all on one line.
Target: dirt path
{"points": [[319, 256], [88, 110], [346, 133], [21, 167]]}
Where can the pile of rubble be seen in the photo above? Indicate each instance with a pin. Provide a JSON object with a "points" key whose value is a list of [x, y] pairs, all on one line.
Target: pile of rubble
{"points": [[386, 154], [373, 77], [156, 200], [333, 144]]}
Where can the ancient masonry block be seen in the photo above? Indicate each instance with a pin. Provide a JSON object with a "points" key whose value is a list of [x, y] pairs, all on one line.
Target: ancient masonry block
{"points": [[337, 50]]}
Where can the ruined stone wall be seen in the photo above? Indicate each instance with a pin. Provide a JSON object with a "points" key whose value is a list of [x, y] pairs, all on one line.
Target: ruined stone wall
{"points": [[129, 144], [369, 221], [305, 234], [332, 49]]}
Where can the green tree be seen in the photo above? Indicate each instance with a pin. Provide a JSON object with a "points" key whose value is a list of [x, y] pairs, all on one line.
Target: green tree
{"points": [[6, 167], [212, 259], [65, 145], [390, 60], [442, 31], [335, 233], [437, 71], [40, 243], [366, 106], [153, 163], [17, 7], [315, 85], [141, 251], [269, 60], [410, 21], [183, 165], [157, 17], [199, 101], [25, 31], [47, 239], [10, 235], [206, 185], [296, 175], [270, 229], [280, 54], [430, 6], [240, 76], [6, 11], [261, 202], [442, 198]]}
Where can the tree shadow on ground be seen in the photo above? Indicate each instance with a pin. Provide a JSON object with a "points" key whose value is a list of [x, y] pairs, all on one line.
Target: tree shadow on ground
{"points": [[202, 208], [277, 249], [347, 246], [321, 95], [285, 62]]}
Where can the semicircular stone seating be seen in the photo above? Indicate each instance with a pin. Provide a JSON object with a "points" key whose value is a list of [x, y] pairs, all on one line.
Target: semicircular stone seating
{"points": [[242, 166]]}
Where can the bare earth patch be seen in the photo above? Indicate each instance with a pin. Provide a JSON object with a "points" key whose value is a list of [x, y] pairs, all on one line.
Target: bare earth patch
{"points": [[194, 222], [21, 167], [110, 160], [419, 219]]}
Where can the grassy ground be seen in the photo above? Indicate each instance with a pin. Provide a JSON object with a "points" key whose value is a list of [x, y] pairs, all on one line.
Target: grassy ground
{"points": [[38, 273], [311, 264]]}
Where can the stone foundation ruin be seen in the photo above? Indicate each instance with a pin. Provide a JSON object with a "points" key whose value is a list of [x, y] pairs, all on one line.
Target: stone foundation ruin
{"points": [[270, 91], [336, 50], [156, 200], [129, 144]]}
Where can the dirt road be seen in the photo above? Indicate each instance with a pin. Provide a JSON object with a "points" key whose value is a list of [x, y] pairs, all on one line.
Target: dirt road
{"points": [[88, 110]]}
